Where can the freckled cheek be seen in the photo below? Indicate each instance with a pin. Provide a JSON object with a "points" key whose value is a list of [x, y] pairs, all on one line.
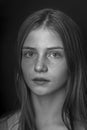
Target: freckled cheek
{"points": [[59, 72]]}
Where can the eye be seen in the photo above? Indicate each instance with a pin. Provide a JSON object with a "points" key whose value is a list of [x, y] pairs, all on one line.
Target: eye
{"points": [[28, 54], [55, 54]]}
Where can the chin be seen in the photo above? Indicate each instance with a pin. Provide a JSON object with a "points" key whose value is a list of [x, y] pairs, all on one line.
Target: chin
{"points": [[40, 91], [46, 90]]}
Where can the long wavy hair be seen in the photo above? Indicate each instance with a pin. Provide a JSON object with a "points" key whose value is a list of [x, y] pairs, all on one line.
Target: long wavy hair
{"points": [[75, 105]]}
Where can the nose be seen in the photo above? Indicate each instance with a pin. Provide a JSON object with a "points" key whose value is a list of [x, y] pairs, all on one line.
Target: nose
{"points": [[40, 66]]}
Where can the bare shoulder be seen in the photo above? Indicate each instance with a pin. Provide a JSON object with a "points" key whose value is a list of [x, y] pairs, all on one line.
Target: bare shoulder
{"points": [[10, 121]]}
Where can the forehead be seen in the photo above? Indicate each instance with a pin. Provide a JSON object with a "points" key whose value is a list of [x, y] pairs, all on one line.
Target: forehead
{"points": [[43, 38]]}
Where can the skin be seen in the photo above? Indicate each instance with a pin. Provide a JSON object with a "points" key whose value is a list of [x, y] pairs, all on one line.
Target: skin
{"points": [[45, 61]]}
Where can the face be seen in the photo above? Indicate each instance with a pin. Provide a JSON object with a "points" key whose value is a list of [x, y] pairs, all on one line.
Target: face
{"points": [[43, 62]]}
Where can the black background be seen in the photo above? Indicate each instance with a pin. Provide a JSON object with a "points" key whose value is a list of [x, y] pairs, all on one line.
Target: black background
{"points": [[12, 14]]}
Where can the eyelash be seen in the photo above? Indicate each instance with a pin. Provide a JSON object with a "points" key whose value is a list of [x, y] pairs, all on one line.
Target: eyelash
{"points": [[31, 54], [27, 53], [58, 54]]}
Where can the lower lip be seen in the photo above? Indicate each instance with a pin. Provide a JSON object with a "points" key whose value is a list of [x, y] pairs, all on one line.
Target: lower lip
{"points": [[41, 82]]}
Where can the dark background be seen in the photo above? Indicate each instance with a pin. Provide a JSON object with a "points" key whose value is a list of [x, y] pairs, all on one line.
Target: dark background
{"points": [[12, 14]]}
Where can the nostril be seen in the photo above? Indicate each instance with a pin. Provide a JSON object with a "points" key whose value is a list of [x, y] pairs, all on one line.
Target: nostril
{"points": [[40, 68], [40, 65]]}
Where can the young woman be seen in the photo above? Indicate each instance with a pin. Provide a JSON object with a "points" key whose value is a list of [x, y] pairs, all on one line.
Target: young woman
{"points": [[51, 74]]}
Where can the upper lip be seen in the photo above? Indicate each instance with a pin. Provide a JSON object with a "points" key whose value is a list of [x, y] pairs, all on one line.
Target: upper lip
{"points": [[40, 79]]}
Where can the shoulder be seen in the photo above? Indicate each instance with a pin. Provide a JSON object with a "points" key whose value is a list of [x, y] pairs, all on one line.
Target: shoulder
{"points": [[10, 122]]}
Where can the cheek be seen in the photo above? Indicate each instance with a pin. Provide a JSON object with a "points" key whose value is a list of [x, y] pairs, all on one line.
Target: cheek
{"points": [[59, 72], [26, 69]]}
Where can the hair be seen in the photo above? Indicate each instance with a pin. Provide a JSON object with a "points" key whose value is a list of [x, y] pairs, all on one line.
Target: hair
{"points": [[75, 105]]}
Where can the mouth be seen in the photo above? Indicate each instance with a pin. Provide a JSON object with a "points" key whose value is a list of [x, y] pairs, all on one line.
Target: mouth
{"points": [[40, 81]]}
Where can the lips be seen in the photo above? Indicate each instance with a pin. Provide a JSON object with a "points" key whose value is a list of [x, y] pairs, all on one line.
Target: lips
{"points": [[40, 81]]}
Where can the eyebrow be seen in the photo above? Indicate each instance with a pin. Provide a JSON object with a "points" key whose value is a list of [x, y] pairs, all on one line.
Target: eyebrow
{"points": [[49, 48]]}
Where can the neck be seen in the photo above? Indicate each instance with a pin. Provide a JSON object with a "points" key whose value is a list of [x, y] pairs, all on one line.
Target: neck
{"points": [[48, 108]]}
